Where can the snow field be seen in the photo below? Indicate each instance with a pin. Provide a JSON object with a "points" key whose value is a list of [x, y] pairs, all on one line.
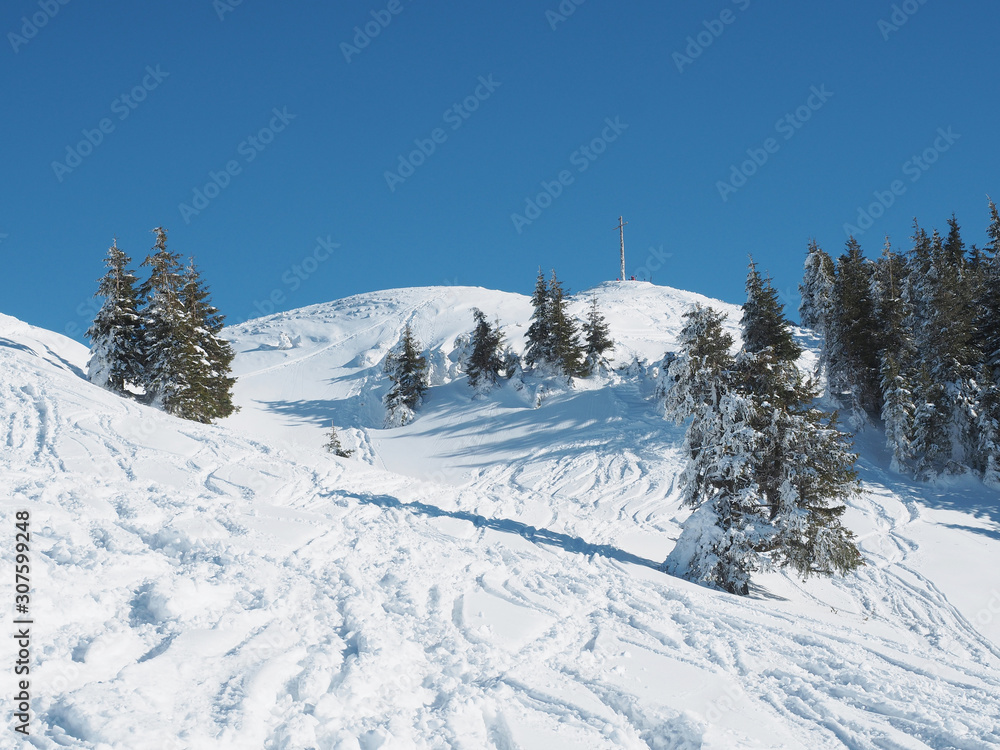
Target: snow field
{"points": [[483, 577]]}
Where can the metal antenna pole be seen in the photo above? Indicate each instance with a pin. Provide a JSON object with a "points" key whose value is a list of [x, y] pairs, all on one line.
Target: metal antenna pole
{"points": [[621, 228]]}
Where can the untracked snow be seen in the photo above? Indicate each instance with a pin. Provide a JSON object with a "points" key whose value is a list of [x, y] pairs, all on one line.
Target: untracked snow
{"points": [[484, 577]]}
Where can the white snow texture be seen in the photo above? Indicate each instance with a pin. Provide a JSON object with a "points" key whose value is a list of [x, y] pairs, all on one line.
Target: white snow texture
{"points": [[486, 576]]}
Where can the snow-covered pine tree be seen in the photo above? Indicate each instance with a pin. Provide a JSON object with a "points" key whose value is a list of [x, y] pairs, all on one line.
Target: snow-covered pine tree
{"points": [[207, 357], [816, 289], [486, 358], [597, 338], [333, 444], [567, 352], [721, 541], [539, 351], [851, 342], [115, 357], [989, 297], [166, 333], [407, 368], [896, 355], [945, 390]]}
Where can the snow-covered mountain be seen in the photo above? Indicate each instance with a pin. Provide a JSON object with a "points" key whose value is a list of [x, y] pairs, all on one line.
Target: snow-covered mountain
{"points": [[484, 577]]}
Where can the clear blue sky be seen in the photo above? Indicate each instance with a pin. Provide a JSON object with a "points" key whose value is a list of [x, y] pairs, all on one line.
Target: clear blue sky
{"points": [[198, 87]]}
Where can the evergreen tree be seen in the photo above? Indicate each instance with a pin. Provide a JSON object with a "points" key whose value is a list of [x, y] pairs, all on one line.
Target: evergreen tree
{"points": [[567, 352], [206, 357], [767, 471], [407, 368], [115, 335], [486, 359], [816, 289], [166, 333], [721, 541], [945, 388], [989, 296], [597, 337], [333, 444], [539, 335], [851, 344]]}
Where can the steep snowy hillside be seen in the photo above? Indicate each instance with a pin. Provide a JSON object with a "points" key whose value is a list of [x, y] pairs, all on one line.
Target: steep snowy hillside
{"points": [[484, 577]]}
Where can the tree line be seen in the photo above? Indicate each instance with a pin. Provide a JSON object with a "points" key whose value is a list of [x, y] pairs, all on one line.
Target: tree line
{"points": [[159, 341], [911, 345]]}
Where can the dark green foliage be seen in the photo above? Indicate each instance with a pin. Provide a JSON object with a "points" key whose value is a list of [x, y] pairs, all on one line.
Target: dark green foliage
{"points": [[936, 340], [771, 471], [567, 352], [166, 333], [597, 337], [853, 367], [407, 368], [207, 358], [487, 358], [115, 354], [764, 324], [539, 334], [333, 444], [553, 336], [174, 352]]}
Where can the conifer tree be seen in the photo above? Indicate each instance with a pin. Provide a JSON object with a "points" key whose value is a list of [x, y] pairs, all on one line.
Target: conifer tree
{"points": [[206, 357], [767, 471], [851, 344], [407, 368], [767, 333], [166, 333], [115, 335], [539, 335], [567, 352], [816, 289], [722, 540], [333, 444], [597, 337], [989, 297], [486, 359]]}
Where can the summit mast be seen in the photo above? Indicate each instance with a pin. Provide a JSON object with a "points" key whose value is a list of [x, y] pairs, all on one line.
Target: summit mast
{"points": [[621, 228]]}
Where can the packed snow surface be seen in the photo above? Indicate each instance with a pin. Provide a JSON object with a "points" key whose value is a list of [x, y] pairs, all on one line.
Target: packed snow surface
{"points": [[483, 577]]}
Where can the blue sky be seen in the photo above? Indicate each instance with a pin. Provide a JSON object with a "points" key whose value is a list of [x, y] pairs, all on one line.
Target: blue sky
{"points": [[471, 143]]}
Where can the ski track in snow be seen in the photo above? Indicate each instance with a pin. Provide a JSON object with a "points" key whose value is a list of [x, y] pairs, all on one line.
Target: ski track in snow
{"points": [[204, 587]]}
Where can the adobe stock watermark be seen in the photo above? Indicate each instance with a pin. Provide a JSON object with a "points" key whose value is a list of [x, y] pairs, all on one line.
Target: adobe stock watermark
{"points": [[914, 168], [655, 260], [900, 15], [30, 26], [455, 117], [562, 12], [123, 106], [714, 28], [582, 158], [988, 613], [250, 148], [787, 126], [3, 236], [222, 7], [295, 275], [364, 34]]}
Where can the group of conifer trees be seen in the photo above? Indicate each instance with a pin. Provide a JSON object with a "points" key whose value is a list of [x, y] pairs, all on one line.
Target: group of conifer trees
{"points": [[767, 471], [554, 348], [911, 343], [554, 336], [159, 340]]}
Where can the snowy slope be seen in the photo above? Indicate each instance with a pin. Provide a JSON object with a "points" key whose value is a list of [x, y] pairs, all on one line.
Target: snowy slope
{"points": [[481, 578]]}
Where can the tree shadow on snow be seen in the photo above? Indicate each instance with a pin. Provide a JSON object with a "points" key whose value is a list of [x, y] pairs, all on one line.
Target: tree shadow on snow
{"points": [[507, 526]]}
